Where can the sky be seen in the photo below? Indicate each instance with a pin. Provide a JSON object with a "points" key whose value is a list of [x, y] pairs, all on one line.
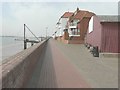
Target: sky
{"points": [[39, 16]]}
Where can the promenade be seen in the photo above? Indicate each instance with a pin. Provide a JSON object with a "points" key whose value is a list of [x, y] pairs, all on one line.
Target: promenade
{"points": [[72, 66]]}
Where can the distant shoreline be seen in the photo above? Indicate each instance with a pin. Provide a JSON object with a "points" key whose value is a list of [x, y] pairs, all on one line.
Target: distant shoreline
{"points": [[21, 36], [11, 36]]}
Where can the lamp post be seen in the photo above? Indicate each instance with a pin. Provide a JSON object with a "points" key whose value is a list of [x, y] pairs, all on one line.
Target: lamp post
{"points": [[46, 32], [55, 33], [58, 26]]}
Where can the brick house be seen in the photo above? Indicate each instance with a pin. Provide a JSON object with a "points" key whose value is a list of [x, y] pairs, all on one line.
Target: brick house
{"points": [[73, 26], [78, 24], [103, 33]]}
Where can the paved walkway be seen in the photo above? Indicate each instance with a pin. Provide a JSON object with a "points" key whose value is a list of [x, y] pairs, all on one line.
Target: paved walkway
{"points": [[72, 66]]}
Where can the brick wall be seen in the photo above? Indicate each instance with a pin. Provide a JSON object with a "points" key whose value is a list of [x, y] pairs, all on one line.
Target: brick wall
{"points": [[75, 40], [18, 68]]}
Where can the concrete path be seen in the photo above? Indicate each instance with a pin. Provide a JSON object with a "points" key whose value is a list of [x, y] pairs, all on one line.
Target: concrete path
{"points": [[72, 66]]}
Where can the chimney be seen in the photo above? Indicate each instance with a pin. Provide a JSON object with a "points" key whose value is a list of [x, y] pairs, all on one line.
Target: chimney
{"points": [[77, 9]]}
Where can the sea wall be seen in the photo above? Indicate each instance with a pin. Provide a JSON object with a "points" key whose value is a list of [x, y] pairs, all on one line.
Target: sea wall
{"points": [[17, 69]]}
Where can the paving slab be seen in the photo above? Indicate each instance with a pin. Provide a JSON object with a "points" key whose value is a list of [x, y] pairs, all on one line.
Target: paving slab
{"points": [[53, 70], [99, 72], [72, 66]]}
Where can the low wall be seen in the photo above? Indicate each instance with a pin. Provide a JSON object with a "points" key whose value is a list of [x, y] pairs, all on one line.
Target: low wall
{"points": [[75, 42], [110, 55], [17, 69]]}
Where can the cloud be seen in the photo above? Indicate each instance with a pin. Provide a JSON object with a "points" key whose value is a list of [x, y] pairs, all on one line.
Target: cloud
{"points": [[60, 1], [0, 19], [38, 16]]}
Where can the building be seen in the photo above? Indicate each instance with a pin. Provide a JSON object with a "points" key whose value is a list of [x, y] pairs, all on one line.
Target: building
{"points": [[78, 25], [62, 26], [103, 33], [74, 26]]}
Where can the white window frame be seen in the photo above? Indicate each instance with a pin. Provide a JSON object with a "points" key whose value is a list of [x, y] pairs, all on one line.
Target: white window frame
{"points": [[91, 25]]}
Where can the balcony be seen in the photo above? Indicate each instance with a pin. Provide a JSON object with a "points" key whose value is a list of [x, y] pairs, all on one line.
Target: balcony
{"points": [[73, 27]]}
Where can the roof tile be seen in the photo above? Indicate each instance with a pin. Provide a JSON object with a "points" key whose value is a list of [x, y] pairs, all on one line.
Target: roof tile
{"points": [[67, 14]]}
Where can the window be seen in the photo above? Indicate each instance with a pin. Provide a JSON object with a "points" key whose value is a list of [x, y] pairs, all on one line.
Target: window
{"points": [[74, 31], [91, 25]]}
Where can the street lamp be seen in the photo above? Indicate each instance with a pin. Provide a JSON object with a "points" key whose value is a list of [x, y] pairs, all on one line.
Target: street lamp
{"points": [[46, 32]]}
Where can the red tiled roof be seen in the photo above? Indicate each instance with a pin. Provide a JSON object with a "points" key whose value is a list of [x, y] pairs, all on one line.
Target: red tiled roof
{"points": [[67, 14], [82, 14]]}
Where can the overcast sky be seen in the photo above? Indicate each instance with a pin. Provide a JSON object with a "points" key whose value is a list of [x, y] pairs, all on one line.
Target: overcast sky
{"points": [[39, 15]]}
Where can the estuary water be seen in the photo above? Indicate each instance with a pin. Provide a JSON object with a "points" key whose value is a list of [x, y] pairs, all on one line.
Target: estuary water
{"points": [[9, 46]]}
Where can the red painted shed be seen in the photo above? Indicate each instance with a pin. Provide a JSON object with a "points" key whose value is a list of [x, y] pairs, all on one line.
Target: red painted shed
{"points": [[103, 32]]}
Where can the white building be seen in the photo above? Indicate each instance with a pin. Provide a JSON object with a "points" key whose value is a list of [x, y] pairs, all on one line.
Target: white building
{"points": [[63, 22]]}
